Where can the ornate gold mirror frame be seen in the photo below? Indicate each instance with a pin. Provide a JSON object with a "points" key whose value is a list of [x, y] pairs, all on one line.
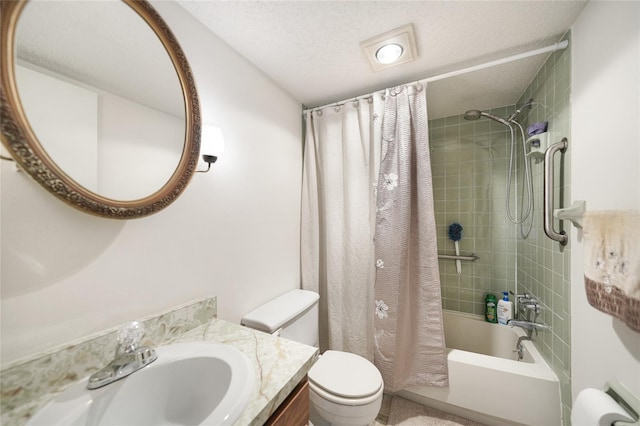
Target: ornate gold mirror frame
{"points": [[19, 138]]}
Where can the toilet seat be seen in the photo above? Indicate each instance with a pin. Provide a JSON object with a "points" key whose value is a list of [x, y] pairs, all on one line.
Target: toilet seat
{"points": [[330, 398], [345, 378]]}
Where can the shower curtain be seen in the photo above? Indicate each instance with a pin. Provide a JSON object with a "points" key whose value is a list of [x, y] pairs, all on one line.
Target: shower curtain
{"points": [[341, 161], [409, 335], [367, 174]]}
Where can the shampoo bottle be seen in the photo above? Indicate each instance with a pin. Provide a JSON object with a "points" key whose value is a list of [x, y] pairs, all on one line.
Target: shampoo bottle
{"points": [[490, 308], [505, 309]]}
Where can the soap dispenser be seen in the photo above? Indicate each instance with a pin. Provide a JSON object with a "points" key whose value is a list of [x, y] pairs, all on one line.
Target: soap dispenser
{"points": [[505, 309]]}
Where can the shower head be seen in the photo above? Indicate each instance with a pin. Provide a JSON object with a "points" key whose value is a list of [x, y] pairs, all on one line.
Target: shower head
{"points": [[474, 114]]}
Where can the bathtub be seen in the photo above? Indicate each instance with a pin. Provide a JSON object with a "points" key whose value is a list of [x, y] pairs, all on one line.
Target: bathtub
{"points": [[487, 383]]}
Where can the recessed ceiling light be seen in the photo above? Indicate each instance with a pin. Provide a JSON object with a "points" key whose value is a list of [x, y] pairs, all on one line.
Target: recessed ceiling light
{"points": [[392, 48], [389, 53]]}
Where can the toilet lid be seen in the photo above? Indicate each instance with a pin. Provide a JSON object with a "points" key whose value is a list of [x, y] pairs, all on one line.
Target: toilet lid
{"points": [[345, 374]]}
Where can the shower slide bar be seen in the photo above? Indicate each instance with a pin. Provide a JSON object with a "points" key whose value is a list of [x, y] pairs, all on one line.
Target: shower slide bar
{"points": [[561, 236], [471, 258]]}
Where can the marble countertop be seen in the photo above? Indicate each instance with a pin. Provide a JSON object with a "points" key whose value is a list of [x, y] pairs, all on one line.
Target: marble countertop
{"points": [[279, 365]]}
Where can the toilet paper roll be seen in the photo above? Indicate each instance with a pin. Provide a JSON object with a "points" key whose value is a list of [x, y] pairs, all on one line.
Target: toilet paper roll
{"points": [[594, 407]]}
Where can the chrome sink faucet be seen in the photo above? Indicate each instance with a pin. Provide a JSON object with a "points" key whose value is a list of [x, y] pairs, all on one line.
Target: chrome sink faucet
{"points": [[129, 357]]}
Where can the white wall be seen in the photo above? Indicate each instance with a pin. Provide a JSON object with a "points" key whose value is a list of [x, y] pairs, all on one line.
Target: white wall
{"points": [[605, 173], [54, 106], [234, 233], [134, 142]]}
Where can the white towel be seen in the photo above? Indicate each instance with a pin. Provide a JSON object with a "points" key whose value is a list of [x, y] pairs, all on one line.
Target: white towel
{"points": [[612, 263]]}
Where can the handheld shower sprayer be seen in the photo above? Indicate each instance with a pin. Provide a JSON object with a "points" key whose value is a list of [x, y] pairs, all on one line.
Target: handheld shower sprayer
{"points": [[474, 114], [510, 122]]}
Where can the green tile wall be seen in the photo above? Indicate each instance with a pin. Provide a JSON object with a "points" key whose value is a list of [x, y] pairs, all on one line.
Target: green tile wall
{"points": [[470, 164], [544, 265]]}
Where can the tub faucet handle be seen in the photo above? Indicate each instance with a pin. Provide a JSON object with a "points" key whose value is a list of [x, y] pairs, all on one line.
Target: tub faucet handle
{"points": [[521, 297], [535, 307]]}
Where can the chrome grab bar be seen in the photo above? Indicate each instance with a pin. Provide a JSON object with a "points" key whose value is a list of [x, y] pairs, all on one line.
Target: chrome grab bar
{"points": [[561, 236], [471, 258]]}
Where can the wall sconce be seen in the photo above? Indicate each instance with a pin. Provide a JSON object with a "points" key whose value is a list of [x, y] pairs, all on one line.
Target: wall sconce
{"points": [[211, 146]]}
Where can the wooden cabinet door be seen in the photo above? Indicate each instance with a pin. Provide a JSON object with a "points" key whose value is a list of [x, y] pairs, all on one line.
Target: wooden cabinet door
{"points": [[294, 411]]}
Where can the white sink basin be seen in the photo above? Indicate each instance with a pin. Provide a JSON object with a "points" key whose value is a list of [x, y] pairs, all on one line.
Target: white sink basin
{"points": [[189, 384]]}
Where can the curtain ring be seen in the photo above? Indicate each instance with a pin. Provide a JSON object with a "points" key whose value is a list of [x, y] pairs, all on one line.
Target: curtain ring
{"points": [[319, 112], [419, 87], [370, 99], [395, 91], [336, 108], [356, 104]]}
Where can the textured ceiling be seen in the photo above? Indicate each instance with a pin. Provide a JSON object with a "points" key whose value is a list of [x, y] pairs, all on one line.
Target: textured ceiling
{"points": [[312, 48]]}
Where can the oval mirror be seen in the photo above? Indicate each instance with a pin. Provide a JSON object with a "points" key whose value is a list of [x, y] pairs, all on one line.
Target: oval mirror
{"points": [[99, 105]]}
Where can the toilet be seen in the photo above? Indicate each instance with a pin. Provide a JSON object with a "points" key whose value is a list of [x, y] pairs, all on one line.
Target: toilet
{"points": [[344, 388]]}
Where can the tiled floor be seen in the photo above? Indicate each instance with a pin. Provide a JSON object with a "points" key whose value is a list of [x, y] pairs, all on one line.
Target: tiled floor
{"points": [[385, 410], [415, 415]]}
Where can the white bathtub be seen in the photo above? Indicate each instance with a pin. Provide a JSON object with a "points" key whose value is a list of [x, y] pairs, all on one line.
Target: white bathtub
{"points": [[486, 381]]}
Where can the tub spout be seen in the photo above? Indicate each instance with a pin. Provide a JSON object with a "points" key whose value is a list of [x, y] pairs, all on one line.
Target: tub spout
{"points": [[527, 325]]}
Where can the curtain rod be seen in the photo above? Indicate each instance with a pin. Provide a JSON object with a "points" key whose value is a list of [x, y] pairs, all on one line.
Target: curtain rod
{"points": [[551, 48]]}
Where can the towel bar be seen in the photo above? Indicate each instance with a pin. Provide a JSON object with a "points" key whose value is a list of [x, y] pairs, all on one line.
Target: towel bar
{"points": [[573, 213]]}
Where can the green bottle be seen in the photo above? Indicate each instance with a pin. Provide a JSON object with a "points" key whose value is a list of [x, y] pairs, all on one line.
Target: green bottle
{"points": [[490, 308]]}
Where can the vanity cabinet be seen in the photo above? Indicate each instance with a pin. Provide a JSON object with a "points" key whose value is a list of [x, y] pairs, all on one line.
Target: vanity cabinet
{"points": [[294, 411]]}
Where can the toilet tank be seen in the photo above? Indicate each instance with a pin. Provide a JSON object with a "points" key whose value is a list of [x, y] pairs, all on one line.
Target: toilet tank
{"points": [[293, 315]]}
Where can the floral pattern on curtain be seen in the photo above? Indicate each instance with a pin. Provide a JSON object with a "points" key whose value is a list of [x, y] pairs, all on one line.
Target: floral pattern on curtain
{"points": [[409, 335]]}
